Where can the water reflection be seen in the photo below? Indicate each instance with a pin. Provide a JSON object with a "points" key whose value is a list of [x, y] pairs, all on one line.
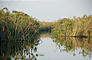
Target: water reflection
{"points": [[47, 48], [71, 44], [64, 48], [18, 50]]}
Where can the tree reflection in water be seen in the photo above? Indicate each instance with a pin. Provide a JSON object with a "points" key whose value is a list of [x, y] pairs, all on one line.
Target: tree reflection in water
{"points": [[17, 50], [73, 44]]}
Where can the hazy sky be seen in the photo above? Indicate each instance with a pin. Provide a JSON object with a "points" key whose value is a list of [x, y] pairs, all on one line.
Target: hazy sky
{"points": [[50, 10]]}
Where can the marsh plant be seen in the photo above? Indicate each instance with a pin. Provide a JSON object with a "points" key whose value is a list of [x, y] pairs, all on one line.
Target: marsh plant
{"points": [[17, 26], [78, 26]]}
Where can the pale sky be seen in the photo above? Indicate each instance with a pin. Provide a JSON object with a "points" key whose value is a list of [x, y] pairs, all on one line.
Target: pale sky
{"points": [[50, 10]]}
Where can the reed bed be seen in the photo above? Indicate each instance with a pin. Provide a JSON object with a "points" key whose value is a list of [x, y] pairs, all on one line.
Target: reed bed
{"points": [[17, 26]]}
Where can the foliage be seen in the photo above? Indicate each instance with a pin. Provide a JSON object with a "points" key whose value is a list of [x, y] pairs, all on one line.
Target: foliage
{"points": [[17, 26], [45, 27], [73, 27]]}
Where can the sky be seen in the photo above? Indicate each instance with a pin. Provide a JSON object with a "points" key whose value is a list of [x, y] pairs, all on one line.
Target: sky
{"points": [[49, 10]]}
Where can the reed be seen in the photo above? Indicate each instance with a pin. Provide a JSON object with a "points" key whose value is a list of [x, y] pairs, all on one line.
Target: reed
{"points": [[17, 26], [74, 27]]}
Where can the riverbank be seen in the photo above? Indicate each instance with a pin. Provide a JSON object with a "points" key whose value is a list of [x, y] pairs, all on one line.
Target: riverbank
{"points": [[77, 27]]}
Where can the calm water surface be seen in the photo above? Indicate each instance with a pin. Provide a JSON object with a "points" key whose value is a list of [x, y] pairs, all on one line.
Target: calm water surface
{"points": [[51, 51], [47, 48]]}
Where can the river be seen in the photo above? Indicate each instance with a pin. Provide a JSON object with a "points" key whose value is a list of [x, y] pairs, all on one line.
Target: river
{"points": [[51, 51], [48, 48]]}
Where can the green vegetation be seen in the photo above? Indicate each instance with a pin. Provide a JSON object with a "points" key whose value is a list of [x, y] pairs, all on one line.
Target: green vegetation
{"points": [[45, 27], [17, 26], [73, 27], [19, 34], [74, 34], [17, 30]]}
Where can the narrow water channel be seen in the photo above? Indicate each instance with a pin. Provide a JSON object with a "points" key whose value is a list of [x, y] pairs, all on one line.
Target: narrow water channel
{"points": [[49, 50]]}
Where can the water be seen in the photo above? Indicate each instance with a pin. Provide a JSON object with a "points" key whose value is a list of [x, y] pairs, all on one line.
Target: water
{"points": [[51, 51], [47, 48]]}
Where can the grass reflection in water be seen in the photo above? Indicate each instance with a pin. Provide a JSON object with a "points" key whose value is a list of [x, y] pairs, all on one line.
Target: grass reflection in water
{"points": [[15, 50], [72, 44]]}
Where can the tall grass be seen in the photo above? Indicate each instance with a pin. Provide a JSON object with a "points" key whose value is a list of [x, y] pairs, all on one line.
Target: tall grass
{"points": [[73, 27], [17, 26]]}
